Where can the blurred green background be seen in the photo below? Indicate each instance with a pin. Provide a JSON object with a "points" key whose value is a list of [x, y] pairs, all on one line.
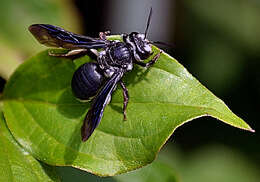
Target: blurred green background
{"points": [[217, 41]]}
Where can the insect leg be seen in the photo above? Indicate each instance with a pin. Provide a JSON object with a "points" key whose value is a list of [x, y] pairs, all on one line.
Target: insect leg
{"points": [[68, 54], [126, 97], [103, 35], [150, 63], [94, 51]]}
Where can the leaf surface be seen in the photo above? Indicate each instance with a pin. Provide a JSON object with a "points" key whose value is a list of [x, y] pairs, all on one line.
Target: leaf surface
{"points": [[45, 117], [18, 165]]}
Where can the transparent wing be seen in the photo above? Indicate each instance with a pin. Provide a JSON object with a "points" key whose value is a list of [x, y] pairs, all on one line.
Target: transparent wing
{"points": [[95, 113], [53, 36]]}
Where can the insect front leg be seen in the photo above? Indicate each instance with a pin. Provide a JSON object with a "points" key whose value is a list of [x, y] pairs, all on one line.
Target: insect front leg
{"points": [[68, 54], [150, 63], [126, 97]]}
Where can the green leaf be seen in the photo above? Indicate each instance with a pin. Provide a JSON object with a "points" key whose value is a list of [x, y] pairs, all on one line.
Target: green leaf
{"points": [[157, 171], [18, 165], [45, 118]]}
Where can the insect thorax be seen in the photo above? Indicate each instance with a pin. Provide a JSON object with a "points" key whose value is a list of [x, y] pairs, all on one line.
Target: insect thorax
{"points": [[116, 56]]}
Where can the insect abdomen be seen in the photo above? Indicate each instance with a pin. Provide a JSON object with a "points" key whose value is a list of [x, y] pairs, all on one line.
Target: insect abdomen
{"points": [[86, 81]]}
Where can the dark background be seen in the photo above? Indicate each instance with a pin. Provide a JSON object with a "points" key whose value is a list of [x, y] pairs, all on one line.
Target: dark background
{"points": [[217, 41]]}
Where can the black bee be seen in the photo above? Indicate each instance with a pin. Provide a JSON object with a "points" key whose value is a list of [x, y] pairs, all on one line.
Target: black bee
{"points": [[98, 79]]}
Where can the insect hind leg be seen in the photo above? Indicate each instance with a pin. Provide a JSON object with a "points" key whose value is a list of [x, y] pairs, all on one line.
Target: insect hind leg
{"points": [[126, 97], [68, 54]]}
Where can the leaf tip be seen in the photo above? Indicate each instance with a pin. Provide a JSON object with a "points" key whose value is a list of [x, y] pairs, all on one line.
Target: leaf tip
{"points": [[251, 130]]}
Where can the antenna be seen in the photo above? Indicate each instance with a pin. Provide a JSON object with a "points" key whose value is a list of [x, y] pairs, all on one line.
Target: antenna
{"points": [[163, 43], [148, 22]]}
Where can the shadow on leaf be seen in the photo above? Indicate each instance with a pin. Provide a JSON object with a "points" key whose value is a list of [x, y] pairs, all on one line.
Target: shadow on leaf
{"points": [[69, 106]]}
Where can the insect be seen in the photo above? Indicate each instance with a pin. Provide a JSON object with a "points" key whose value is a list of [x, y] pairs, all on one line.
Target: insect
{"points": [[96, 81]]}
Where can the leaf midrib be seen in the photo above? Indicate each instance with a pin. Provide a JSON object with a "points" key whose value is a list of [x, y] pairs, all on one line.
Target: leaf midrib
{"points": [[80, 104], [173, 104], [55, 105]]}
